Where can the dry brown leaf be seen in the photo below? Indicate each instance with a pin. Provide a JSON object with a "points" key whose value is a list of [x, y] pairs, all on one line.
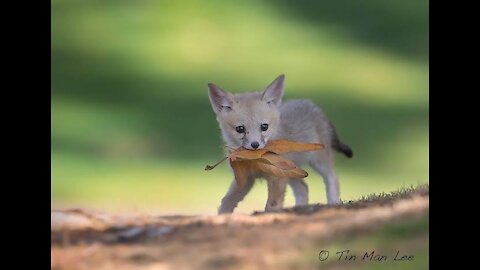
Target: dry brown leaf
{"points": [[294, 173], [286, 146], [267, 160], [243, 153], [277, 161], [275, 146], [243, 168]]}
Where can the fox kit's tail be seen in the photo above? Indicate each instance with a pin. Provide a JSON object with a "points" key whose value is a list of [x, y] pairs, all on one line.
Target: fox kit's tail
{"points": [[340, 146]]}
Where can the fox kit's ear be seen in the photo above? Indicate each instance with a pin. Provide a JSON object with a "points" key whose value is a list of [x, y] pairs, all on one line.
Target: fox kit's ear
{"points": [[274, 92], [220, 100]]}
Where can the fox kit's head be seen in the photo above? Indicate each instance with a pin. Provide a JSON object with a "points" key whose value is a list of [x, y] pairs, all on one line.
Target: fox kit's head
{"points": [[248, 119]]}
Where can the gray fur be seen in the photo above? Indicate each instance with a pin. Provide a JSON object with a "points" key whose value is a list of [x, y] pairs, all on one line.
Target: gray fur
{"points": [[296, 120]]}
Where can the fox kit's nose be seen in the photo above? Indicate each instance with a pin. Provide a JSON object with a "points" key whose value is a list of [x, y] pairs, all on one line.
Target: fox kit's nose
{"points": [[255, 145]]}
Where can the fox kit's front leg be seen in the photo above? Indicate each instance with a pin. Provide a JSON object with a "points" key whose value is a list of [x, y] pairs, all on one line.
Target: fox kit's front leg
{"points": [[234, 196], [276, 193]]}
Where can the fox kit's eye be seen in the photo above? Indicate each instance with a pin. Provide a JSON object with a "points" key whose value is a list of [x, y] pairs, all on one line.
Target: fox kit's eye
{"points": [[264, 127], [240, 129]]}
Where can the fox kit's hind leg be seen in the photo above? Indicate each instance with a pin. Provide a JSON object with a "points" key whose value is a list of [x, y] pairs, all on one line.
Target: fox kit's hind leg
{"points": [[300, 191], [325, 167], [276, 193], [234, 196]]}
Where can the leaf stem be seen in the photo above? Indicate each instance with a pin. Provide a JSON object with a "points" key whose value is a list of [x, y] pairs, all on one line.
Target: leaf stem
{"points": [[210, 167]]}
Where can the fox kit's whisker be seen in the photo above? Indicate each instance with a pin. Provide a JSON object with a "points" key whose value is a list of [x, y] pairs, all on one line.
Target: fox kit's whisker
{"points": [[229, 147]]}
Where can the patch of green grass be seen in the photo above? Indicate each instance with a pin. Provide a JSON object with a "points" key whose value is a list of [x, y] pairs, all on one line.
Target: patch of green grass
{"points": [[400, 193]]}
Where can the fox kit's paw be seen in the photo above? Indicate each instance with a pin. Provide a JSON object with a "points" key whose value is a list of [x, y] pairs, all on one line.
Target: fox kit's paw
{"points": [[273, 207], [225, 211], [333, 199], [273, 210]]}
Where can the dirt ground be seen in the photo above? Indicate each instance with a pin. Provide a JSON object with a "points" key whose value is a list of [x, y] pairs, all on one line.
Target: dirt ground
{"points": [[291, 239]]}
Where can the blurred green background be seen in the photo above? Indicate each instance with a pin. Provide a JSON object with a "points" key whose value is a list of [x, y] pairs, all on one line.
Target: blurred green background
{"points": [[132, 128]]}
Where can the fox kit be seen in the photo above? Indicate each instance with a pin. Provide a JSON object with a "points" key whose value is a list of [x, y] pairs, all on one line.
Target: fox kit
{"points": [[252, 119]]}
